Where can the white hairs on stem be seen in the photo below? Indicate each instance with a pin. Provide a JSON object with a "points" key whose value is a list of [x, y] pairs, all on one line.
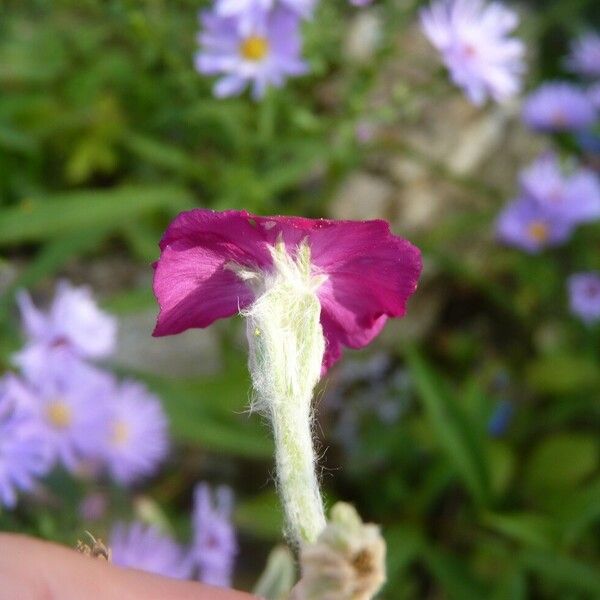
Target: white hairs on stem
{"points": [[286, 352]]}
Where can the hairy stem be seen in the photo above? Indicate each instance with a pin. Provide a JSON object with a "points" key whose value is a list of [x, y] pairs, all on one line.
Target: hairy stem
{"points": [[286, 352]]}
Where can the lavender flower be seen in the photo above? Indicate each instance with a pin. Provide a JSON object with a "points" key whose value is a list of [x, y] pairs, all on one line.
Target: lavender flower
{"points": [[137, 440], [574, 196], [584, 58], [72, 408], [144, 547], [525, 224], [473, 39], [215, 545], [593, 93], [584, 296], [558, 106], [230, 8], [262, 56], [74, 326], [24, 449]]}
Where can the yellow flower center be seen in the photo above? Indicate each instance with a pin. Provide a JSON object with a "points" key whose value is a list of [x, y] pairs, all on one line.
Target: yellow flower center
{"points": [[59, 414], [254, 47], [538, 232], [119, 433]]}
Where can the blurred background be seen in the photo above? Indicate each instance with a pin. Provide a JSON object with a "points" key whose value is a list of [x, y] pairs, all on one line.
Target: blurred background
{"points": [[469, 430]]}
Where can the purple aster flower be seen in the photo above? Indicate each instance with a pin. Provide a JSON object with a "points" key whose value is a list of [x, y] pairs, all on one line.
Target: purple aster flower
{"points": [[215, 544], [585, 55], [74, 326], [584, 296], [593, 93], [72, 407], [25, 454], [558, 106], [474, 40], [525, 224], [574, 196], [249, 8], [139, 546], [262, 56], [368, 274], [137, 433]]}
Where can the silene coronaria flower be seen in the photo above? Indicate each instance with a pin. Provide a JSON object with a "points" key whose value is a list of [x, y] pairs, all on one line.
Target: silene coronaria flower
{"points": [[215, 545], [260, 54], [306, 289], [558, 106], [25, 452], [474, 39], [572, 195], [73, 326], [214, 265], [584, 57], [584, 296], [136, 433], [144, 547]]}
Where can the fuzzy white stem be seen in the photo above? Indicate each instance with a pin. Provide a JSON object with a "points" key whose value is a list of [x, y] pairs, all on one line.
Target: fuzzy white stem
{"points": [[286, 352]]}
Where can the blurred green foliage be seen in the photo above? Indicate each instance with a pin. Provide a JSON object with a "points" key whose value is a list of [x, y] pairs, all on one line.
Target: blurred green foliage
{"points": [[106, 132]]}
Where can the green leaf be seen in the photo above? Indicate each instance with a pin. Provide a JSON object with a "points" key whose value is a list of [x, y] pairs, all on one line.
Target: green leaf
{"points": [[451, 572], [564, 571], [530, 529], [212, 413], [455, 433], [562, 460], [50, 259], [279, 576], [59, 215], [262, 516], [563, 374]]}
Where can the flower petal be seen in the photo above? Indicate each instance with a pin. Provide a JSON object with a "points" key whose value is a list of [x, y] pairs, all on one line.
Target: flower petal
{"points": [[371, 275], [192, 283]]}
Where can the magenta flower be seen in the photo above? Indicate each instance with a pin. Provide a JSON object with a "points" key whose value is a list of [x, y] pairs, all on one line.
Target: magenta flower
{"points": [[209, 258], [474, 39]]}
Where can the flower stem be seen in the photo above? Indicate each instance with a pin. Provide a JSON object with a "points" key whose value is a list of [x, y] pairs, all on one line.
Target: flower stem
{"points": [[286, 346], [295, 460]]}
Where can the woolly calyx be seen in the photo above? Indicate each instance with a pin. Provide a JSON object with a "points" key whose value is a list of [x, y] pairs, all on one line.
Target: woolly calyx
{"points": [[347, 562], [287, 345]]}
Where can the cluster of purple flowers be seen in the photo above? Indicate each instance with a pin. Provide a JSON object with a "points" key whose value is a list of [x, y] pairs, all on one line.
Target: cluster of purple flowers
{"points": [[255, 43], [556, 197], [552, 202], [210, 556], [61, 409]]}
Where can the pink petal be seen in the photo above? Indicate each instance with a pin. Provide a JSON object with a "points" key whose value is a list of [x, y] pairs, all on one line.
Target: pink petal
{"points": [[371, 275], [191, 281]]}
